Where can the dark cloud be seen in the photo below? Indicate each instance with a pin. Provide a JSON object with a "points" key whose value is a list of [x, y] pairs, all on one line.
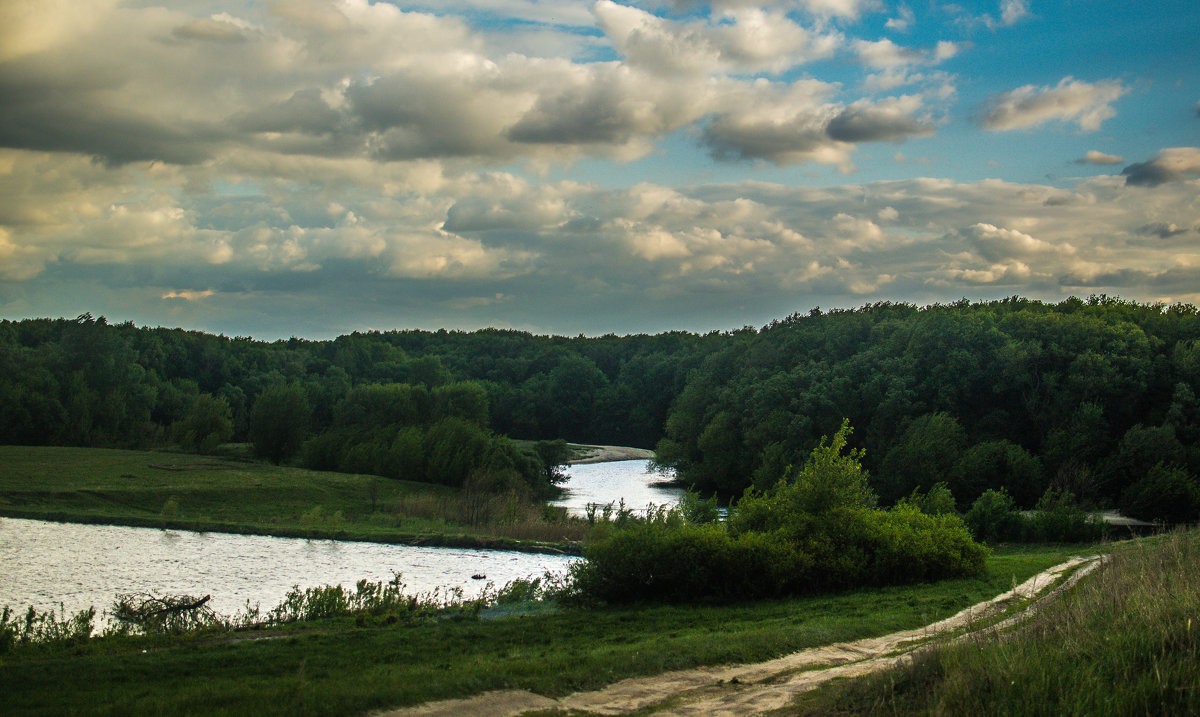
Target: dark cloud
{"points": [[593, 115], [730, 139], [1176, 164], [210, 30], [304, 111], [868, 123], [1162, 230]]}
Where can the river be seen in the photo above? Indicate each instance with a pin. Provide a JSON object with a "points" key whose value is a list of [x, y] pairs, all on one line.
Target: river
{"points": [[48, 564]]}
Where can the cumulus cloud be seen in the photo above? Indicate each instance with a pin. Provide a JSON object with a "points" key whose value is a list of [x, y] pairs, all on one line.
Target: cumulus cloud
{"points": [[1087, 104], [1176, 164], [1100, 158], [887, 120], [885, 54], [748, 40]]}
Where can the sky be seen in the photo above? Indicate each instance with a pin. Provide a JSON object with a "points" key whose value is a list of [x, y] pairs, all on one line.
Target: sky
{"points": [[315, 167]]}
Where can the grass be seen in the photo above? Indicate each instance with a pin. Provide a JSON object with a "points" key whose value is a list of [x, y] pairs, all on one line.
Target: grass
{"points": [[1126, 640], [333, 667], [194, 492]]}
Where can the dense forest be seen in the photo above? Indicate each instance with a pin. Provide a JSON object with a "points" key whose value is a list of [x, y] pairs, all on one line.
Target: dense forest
{"points": [[1094, 397]]}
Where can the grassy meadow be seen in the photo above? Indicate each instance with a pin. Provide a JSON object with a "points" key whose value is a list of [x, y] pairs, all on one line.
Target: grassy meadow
{"points": [[347, 666], [1125, 641], [188, 491]]}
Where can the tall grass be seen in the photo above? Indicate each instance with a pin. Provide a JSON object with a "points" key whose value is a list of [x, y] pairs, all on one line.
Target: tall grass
{"points": [[1125, 641]]}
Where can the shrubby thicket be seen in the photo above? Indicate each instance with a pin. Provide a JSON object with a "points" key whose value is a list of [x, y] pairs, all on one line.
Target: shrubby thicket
{"points": [[815, 529], [1083, 397]]}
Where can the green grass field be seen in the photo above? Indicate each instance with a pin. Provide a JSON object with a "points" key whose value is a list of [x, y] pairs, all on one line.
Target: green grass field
{"points": [[1125, 641], [187, 491], [337, 667]]}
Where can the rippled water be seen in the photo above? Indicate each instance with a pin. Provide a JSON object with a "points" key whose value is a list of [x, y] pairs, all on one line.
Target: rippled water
{"points": [[603, 483], [43, 564]]}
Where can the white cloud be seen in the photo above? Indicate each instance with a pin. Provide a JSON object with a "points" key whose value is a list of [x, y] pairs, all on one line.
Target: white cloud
{"points": [[749, 40], [1087, 104], [1013, 11], [1100, 158], [903, 20], [885, 54]]}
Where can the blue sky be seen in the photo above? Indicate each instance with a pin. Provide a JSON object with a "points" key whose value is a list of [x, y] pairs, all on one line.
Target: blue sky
{"points": [[313, 167]]}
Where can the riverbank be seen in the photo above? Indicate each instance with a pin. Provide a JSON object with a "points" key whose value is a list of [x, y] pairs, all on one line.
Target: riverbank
{"points": [[207, 494], [585, 454], [346, 666]]}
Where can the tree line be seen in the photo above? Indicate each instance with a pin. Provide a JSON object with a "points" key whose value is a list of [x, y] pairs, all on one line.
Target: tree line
{"points": [[1096, 398]]}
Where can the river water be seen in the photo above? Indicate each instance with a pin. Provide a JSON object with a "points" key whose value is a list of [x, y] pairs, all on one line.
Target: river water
{"points": [[602, 483], [76, 566]]}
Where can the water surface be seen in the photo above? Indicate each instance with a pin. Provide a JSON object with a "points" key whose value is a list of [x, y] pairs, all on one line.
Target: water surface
{"points": [[601, 483], [44, 563]]}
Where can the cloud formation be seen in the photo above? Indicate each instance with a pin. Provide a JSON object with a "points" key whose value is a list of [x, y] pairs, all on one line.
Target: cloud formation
{"points": [[1176, 164], [1099, 158], [532, 162], [1086, 104]]}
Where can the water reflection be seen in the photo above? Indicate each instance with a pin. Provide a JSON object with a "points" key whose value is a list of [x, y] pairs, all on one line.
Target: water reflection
{"points": [[44, 563], [602, 483]]}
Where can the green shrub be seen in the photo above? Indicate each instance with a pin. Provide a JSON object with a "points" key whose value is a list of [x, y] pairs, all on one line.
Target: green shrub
{"points": [[993, 518], [815, 531], [1166, 494], [1059, 519]]}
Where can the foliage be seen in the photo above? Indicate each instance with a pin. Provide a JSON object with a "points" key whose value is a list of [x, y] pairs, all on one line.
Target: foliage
{"points": [[44, 628], [993, 517], [816, 530], [1166, 494], [207, 425], [279, 422], [939, 500]]}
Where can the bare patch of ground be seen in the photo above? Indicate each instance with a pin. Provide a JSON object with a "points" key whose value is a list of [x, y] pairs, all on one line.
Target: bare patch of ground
{"points": [[766, 686], [605, 454]]}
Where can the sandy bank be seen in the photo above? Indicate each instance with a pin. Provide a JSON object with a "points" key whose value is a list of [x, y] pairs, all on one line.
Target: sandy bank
{"points": [[604, 454]]}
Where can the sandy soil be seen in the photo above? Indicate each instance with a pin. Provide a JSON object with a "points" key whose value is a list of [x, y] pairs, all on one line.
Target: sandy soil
{"points": [[762, 687], [604, 454]]}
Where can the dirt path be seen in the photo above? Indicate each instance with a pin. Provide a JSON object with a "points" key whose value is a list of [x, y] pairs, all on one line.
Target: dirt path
{"points": [[765, 686]]}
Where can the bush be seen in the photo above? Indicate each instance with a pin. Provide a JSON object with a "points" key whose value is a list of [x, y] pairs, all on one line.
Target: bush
{"points": [[1059, 519], [1166, 494], [993, 518], [814, 531]]}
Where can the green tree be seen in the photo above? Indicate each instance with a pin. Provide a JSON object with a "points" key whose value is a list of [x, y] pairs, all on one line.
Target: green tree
{"points": [[207, 425], [279, 422], [925, 455]]}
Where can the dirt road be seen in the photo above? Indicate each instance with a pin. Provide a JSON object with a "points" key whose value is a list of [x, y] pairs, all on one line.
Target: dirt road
{"points": [[757, 688]]}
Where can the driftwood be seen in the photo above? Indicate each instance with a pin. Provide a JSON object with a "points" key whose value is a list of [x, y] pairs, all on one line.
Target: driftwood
{"points": [[151, 612]]}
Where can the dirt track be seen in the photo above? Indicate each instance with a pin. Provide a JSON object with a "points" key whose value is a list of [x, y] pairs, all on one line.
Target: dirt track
{"points": [[761, 687]]}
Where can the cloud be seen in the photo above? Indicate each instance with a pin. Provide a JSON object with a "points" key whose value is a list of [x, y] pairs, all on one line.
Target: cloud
{"points": [[1176, 164], [1087, 104], [748, 40], [1013, 11], [888, 120], [1100, 158], [1162, 230], [903, 20], [885, 54], [188, 294]]}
